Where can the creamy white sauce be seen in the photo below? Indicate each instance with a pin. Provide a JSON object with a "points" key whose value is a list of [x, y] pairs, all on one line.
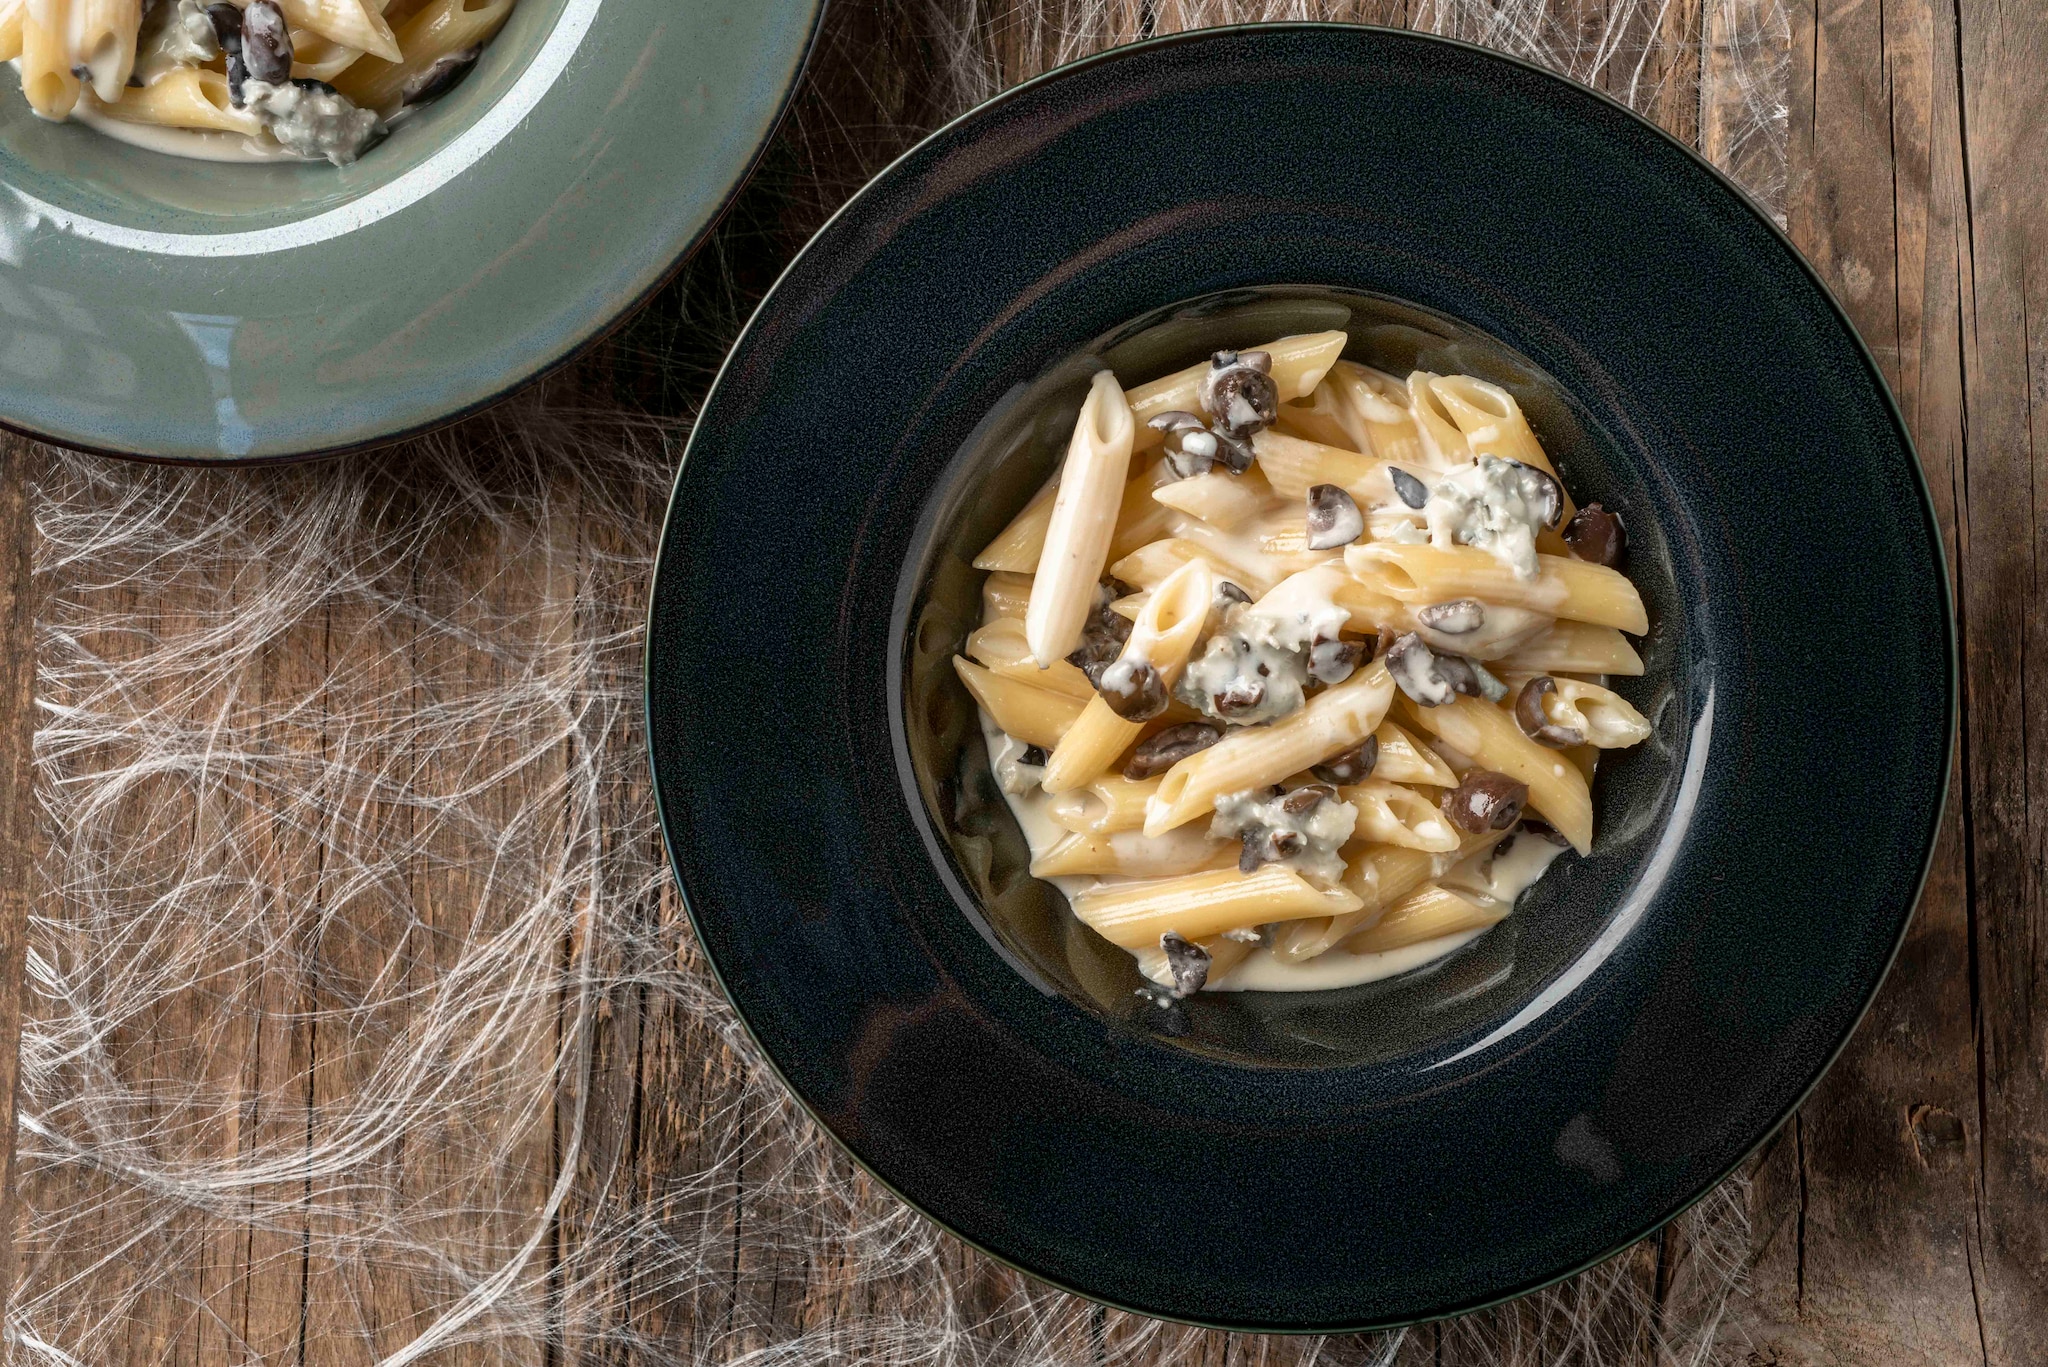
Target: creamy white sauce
{"points": [[1482, 504], [198, 144], [1266, 644], [1324, 829]]}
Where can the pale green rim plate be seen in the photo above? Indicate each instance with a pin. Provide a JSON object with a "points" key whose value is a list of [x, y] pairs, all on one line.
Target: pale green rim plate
{"points": [[167, 309]]}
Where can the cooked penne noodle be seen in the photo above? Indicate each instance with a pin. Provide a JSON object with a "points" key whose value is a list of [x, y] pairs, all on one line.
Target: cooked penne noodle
{"points": [[1380, 875], [1108, 804], [1299, 364], [438, 29], [1160, 640], [1575, 648], [1403, 759], [355, 24], [10, 29], [1494, 425], [187, 97], [102, 42], [1150, 565], [1198, 905], [1133, 854], [1428, 913], [1141, 519], [1557, 790], [1084, 513], [1335, 720], [1293, 466], [1016, 547], [1392, 814], [1005, 595], [1036, 716], [1000, 646], [1574, 589], [46, 76], [1224, 501], [1607, 720]]}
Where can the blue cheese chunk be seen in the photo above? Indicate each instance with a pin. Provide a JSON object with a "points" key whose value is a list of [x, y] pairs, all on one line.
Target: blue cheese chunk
{"points": [[310, 120], [1305, 835], [1487, 504]]}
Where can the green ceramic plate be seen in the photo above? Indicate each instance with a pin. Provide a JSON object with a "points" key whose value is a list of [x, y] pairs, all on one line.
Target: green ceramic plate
{"points": [[171, 309]]}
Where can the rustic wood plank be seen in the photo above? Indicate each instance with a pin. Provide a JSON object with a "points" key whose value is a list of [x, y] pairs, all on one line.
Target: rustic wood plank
{"points": [[2004, 50], [1864, 1208], [17, 802]]}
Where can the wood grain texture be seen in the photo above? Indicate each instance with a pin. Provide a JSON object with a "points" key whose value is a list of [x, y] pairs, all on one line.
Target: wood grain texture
{"points": [[17, 800]]}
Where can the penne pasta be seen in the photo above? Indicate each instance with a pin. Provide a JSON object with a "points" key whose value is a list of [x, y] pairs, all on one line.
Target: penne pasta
{"points": [[1428, 913], [999, 646], [1108, 804], [1392, 814], [10, 29], [187, 97], [1133, 854], [1574, 589], [1036, 716], [1575, 648], [1403, 759], [1557, 790], [1254, 757], [1083, 520], [1293, 466], [1198, 905], [1299, 364], [46, 76], [1224, 501], [1149, 566], [1160, 641], [1005, 595], [1607, 720], [102, 39], [1016, 547]]}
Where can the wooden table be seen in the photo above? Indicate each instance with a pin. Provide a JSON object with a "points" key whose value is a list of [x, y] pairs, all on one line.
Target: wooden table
{"points": [[1902, 1216]]}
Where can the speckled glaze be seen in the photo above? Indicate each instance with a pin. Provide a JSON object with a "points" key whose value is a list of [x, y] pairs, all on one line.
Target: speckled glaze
{"points": [[1397, 1151], [170, 309]]}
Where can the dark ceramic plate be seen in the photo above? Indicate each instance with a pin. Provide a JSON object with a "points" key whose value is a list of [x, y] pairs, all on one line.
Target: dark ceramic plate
{"points": [[1391, 1152]]}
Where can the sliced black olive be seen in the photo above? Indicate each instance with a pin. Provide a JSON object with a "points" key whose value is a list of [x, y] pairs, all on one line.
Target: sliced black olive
{"points": [[1485, 801], [1352, 766], [1542, 492], [1333, 518], [1457, 618], [314, 83], [1536, 723], [1238, 393], [1419, 671], [1228, 593], [1187, 961], [1597, 535], [1542, 830], [1469, 677], [266, 42], [1234, 451], [1103, 635], [1176, 420], [227, 26], [1191, 449], [1157, 754], [1333, 661], [1242, 696], [1134, 691], [1263, 845], [1034, 755], [1412, 491], [441, 75], [1307, 798]]}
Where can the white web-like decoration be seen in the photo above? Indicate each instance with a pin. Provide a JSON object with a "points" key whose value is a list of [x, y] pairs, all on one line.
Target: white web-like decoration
{"points": [[355, 957]]}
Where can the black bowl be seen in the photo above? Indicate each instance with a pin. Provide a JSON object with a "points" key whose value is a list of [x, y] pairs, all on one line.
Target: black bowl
{"points": [[1410, 1148]]}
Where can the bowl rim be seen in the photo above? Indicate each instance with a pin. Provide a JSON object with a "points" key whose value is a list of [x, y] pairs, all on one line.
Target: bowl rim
{"points": [[1929, 516], [600, 325]]}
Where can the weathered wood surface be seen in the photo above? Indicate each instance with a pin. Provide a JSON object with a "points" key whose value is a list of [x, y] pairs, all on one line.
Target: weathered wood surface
{"points": [[1901, 1218]]}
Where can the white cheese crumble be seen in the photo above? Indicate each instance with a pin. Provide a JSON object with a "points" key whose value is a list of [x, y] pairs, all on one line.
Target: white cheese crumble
{"points": [[309, 121], [1485, 504], [1324, 829]]}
